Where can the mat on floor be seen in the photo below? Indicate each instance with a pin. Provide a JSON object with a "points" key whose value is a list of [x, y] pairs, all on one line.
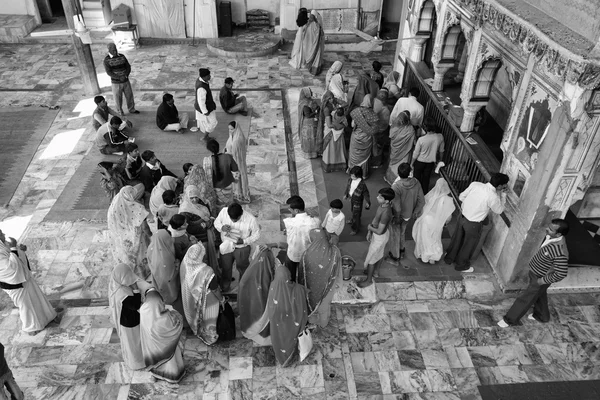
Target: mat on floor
{"points": [[23, 129], [84, 198], [568, 390]]}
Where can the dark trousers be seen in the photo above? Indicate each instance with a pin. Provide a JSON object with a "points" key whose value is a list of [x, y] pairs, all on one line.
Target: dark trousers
{"points": [[292, 266], [241, 257], [463, 243], [120, 89], [422, 173], [535, 295], [356, 216]]}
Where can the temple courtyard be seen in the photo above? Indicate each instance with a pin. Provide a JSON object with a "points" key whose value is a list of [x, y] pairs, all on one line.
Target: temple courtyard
{"points": [[421, 332]]}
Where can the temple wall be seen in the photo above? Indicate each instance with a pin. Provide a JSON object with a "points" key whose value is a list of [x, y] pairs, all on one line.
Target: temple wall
{"points": [[582, 16]]}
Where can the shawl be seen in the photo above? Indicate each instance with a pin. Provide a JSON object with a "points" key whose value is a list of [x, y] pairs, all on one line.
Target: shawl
{"points": [[304, 100], [165, 183], [365, 118], [287, 312], [253, 293], [197, 177], [237, 146], [160, 330], [336, 86], [125, 213], [161, 259], [334, 69], [119, 289], [402, 140], [12, 267], [188, 206], [366, 86], [319, 268]]}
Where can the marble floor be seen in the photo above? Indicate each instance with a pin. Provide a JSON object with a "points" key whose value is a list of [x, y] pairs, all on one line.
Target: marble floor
{"points": [[407, 340]]}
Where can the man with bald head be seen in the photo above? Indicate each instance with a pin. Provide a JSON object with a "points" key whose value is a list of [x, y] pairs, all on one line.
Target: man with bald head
{"points": [[118, 68]]}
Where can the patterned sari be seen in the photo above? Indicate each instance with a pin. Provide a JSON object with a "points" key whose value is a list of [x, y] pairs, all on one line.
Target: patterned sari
{"points": [[308, 132], [366, 126], [335, 155], [313, 44], [197, 177], [161, 259], [237, 146]]}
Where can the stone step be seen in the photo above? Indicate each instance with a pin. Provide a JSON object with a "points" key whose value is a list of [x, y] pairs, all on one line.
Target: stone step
{"points": [[92, 4], [93, 18]]}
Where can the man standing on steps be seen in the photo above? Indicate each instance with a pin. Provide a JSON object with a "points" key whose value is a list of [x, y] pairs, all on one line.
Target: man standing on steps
{"points": [[118, 68], [206, 117]]}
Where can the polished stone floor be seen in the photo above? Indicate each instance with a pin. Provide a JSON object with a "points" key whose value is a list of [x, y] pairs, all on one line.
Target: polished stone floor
{"points": [[414, 340]]}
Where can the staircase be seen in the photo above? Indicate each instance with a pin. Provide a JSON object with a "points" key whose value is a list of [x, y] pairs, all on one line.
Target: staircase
{"points": [[92, 13]]}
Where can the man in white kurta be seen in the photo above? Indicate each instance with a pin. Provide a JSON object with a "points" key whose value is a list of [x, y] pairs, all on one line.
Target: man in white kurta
{"points": [[16, 280], [297, 230], [205, 106]]}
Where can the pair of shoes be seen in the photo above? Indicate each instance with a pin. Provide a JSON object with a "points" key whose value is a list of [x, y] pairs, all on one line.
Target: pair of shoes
{"points": [[244, 113], [352, 233], [468, 270], [134, 112], [503, 324]]}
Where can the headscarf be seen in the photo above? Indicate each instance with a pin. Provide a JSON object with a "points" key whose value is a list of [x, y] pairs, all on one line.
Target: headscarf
{"points": [[237, 146], [313, 44], [305, 99], [333, 70], [391, 82], [253, 293], [402, 138], [122, 277], [440, 191], [124, 212], [319, 267], [365, 118], [12, 267], [161, 259], [165, 183], [366, 86], [160, 330], [192, 208], [336, 86], [197, 177]]}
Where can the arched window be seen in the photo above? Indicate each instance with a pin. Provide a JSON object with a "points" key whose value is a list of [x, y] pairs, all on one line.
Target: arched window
{"points": [[427, 18], [451, 44], [485, 79]]}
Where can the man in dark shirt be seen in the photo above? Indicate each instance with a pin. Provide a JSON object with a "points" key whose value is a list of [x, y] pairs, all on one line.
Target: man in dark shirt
{"points": [[101, 114], [8, 380], [232, 102], [111, 140], [118, 68], [168, 118], [152, 171], [133, 163]]}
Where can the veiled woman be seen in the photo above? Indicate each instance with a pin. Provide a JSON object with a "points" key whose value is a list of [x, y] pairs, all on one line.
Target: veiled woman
{"points": [[338, 89], [366, 126], [296, 60], [427, 230], [128, 230], [125, 305], [287, 313], [163, 266], [160, 333], [313, 43], [331, 128], [200, 294], [365, 87], [382, 138], [391, 84], [197, 177], [156, 200], [253, 293], [321, 273], [335, 69], [237, 146], [402, 141], [308, 132]]}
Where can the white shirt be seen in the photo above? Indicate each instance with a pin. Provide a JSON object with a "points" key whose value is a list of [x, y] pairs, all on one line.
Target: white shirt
{"points": [[353, 186], [202, 97], [334, 224], [247, 225], [413, 106], [297, 230], [479, 199], [549, 240]]}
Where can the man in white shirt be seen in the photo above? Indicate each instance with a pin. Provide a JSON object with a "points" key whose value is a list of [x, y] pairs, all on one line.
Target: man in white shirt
{"points": [[297, 229], [477, 201], [231, 221], [410, 104], [205, 106]]}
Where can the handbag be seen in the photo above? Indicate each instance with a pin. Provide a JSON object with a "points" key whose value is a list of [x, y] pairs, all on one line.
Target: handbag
{"points": [[226, 322], [305, 343]]}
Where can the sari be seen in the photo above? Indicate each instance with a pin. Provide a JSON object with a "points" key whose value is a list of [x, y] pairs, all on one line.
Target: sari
{"points": [[287, 313], [197, 177], [296, 60], [391, 84], [237, 146], [161, 259], [361, 143], [187, 206], [321, 273], [427, 230], [335, 155], [119, 290], [200, 303], [35, 310], [160, 331], [381, 138], [128, 230], [165, 183], [365, 86], [253, 293], [308, 132], [335, 69], [402, 141], [336, 86], [313, 44]]}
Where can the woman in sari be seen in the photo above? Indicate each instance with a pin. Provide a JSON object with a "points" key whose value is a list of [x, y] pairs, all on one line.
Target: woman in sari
{"points": [[287, 313], [313, 43], [308, 131], [335, 69], [382, 138], [339, 89], [128, 230], [321, 273], [365, 87], [223, 170], [156, 200], [200, 294], [197, 177], [402, 141], [332, 122], [237, 146], [253, 293], [391, 84], [125, 305], [427, 230], [160, 331], [366, 126], [17, 281], [296, 59], [164, 269]]}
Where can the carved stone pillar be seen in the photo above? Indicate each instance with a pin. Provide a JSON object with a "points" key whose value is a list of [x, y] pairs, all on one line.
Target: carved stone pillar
{"points": [[416, 53], [440, 70], [462, 65], [471, 109]]}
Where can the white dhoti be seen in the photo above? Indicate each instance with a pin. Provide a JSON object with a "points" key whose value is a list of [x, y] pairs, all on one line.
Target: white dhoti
{"points": [[206, 123], [34, 309], [376, 248]]}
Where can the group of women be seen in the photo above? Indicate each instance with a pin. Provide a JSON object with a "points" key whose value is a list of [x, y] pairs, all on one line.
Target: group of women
{"points": [[309, 43]]}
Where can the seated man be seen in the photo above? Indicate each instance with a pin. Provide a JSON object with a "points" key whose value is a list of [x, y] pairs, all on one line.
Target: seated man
{"points": [[102, 112], [168, 118], [111, 140], [152, 171], [232, 102]]}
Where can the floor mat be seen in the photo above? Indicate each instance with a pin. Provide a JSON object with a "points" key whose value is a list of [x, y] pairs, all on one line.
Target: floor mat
{"points": [[84, 198], [569, 390], [22, 132]]}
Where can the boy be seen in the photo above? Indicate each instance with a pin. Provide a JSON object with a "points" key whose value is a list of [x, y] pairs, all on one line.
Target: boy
{"points": [[334, 221], [181, 240], [379, 235], [297, 229], [357, 191], [167, 209]]}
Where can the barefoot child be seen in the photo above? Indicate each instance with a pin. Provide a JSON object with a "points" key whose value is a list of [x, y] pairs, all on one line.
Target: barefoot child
{"points": [[358, 193], [334, 221]]}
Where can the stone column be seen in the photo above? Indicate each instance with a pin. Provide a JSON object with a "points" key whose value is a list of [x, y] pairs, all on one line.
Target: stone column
{"points": [[462, 65], [440, 70], [471, 109], [416, 52]]}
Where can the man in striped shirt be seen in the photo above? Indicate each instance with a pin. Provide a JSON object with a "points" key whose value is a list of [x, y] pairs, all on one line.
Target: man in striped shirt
{"points": [[548, 265]]}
